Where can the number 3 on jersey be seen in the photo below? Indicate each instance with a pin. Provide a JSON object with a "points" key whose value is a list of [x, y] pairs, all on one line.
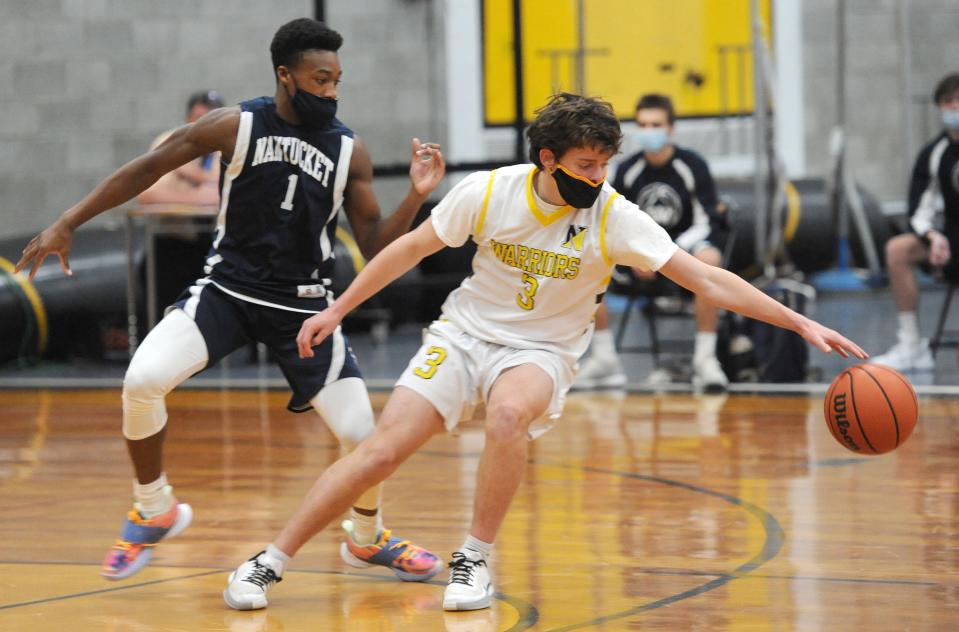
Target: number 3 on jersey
{"points": [[436, 357], [525, 298]]}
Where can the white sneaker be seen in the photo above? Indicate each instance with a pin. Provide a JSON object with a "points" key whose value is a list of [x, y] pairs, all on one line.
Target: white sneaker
{"points": [[708, 374], [907, 357], [247, 586], [599, 372], [469, 587]]}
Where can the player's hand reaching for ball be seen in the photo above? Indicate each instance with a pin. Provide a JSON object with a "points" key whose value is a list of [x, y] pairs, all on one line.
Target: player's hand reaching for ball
{"points": [[427, 167], [826, 339], [315, 330]]}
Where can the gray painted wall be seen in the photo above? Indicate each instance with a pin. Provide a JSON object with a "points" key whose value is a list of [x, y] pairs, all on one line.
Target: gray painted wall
{"points": [[879, 148], [90, 82]]}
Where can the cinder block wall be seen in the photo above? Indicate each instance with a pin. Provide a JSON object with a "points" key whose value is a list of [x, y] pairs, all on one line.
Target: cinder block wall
{"points": [[879, 154], [89, 83]]}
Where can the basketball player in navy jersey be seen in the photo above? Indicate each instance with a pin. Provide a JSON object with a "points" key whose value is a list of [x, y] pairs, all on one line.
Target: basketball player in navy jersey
{"points": [[288, 166]]}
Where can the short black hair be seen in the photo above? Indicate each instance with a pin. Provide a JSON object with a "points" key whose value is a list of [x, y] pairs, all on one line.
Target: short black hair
{"points": [[947, 87], [656, 101], [209, 98], [298, 36], [570, 120]]}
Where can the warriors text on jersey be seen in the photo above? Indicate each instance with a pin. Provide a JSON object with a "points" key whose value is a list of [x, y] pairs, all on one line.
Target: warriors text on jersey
{"points": [[280, 197], [539, 269]]}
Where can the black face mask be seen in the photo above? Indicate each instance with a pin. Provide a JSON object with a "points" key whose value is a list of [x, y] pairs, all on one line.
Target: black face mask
{"points": [[313, 111], [579, 192]]}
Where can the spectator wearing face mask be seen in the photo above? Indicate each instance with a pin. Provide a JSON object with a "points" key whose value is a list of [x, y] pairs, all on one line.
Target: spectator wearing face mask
{"points": [[674, 186], [933, 236]]}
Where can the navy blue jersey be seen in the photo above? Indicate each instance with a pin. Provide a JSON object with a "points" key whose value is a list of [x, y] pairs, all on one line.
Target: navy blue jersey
{"points": [[934, 189], [679, 195], [280, 196]]}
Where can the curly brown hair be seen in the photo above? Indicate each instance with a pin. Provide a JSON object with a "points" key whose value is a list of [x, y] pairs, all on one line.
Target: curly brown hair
{"points": [[571, 120]]}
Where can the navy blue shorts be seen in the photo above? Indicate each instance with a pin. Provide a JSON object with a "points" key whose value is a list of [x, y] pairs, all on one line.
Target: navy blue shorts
{"points": [[228, 323]]}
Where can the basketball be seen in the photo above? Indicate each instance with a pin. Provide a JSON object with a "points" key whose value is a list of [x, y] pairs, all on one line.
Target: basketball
{"points": [[871, 409]]}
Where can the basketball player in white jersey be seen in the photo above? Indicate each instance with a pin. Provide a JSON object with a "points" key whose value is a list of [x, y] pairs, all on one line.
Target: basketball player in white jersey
{"points": [[548, 235]]}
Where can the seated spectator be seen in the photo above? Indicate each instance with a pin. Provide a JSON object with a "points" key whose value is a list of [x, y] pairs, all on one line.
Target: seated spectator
{"points": [[183, 247], [196, 182], [673, 184], [933, 237]]}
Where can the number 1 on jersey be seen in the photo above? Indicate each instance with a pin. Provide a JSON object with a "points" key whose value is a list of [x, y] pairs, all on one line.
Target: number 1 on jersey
{"points": [[525, 298], [287, 203]]}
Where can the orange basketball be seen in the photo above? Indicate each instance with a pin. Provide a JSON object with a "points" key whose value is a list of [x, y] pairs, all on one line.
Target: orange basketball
{"points": [[871, 409]]}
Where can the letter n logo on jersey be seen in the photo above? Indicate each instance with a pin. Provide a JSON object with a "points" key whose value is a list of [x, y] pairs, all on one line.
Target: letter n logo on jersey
{"points": [[575, 237]]}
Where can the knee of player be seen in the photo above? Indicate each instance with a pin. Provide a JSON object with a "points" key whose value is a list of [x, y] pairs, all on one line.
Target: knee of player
{"points": [[505, 423], [142, 382], [379, 460], [352, 432]]}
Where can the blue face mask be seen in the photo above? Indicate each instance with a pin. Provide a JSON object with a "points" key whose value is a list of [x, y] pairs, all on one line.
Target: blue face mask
{"points": [[653, 139], [950, 118]]}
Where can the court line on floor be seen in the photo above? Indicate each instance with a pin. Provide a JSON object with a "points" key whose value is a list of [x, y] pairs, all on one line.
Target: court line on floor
{"points": [[775, 537], [528, 614], [88, 593]]}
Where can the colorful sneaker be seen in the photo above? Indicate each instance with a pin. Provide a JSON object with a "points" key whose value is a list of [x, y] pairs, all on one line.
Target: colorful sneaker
{"points": [[469, 587], [410, 562], [247, 586], [135, 547]]}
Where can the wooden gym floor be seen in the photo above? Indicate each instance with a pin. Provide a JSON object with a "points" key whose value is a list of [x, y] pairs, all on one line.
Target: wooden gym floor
{"points": [[652, 512]]}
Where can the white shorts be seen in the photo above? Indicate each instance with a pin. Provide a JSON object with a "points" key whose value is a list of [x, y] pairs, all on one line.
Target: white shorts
{"points": [[455, 371]]}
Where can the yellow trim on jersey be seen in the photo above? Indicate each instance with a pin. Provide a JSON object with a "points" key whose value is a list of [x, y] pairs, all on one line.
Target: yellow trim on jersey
{"points": [[544, 218], [602, 229], [793, 212], [482, 215], [39, 311], [359, 261]]}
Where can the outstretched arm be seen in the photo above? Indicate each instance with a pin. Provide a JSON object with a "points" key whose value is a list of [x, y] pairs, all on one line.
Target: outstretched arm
{"points": [[371, 230], [392, 262], [725, 289], [215, 131]]}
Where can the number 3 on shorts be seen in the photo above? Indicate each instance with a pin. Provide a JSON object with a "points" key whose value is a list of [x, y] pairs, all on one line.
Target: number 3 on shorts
{"points": [[436, 357]]}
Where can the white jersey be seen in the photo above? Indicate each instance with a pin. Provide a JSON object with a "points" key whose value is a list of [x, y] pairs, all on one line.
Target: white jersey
{"points": [[540, 271]]}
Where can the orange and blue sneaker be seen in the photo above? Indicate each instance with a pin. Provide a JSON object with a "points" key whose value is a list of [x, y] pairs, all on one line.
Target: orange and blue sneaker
{"points": [[410, 562], [135, 547]]}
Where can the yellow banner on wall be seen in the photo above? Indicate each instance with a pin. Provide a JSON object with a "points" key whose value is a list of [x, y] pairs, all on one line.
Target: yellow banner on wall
{"points": [[698, 52]]}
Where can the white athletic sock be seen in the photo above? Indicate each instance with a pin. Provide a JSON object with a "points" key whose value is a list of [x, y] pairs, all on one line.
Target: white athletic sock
{"points": [[909, 328], [154, 498], [705, 345], [483, 548], [603, 345], [365, 528], [275, 559]]}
